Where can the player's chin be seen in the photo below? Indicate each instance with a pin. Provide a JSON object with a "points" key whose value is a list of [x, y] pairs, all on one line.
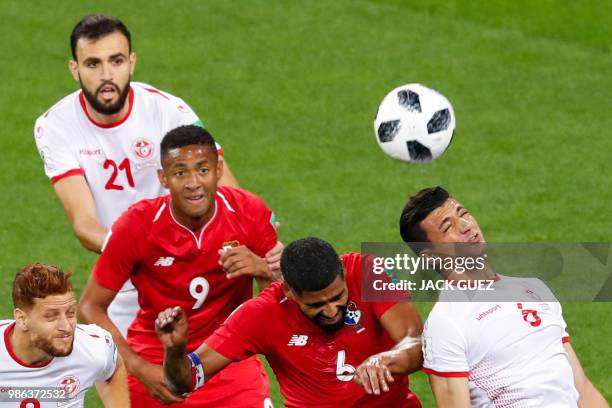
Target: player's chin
{"points": [[63, 348], [330, 325]]}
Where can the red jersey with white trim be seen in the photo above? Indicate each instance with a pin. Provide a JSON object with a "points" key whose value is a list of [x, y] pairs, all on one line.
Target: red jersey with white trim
{"points": [[511, 352], [314, 367], [120, 161], [93, 359], [171, 265]]}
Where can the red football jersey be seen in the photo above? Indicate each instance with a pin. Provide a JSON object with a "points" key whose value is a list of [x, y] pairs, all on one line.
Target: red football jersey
{"points": [[314, 367], [170, 265]]}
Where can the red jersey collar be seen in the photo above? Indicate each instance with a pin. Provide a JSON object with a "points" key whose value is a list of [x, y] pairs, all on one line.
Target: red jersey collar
{"points": [[110, 125], [9, 348]]}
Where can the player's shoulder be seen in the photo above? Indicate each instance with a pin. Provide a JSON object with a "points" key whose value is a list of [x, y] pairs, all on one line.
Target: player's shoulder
{"points": [[142, 214], [158, 96], [92, 337], [60, 109], [237, 200]]}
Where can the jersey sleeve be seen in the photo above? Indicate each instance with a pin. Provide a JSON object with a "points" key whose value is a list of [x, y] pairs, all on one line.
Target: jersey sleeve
{"points": [[105, 350], [256, 218], [444, 345], [55, 149], [121, 252], [241, 335], [181, 114], [379, 301], [549, 296]]}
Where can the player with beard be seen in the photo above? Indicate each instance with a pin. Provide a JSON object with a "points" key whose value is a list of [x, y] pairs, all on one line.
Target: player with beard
{"points": [[46, 358], [100, 144], [314, 329]]}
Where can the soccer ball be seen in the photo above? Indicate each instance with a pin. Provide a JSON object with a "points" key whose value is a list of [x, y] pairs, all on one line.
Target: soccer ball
{"points": [[414, 123]]}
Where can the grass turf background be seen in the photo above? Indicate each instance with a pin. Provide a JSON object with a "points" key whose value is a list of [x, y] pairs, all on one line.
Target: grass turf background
{"points": [[290, 90]]}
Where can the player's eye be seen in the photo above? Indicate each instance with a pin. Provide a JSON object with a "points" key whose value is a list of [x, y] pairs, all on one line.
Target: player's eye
{"points": [[179, 173], [91, 64], [118, 61], [204, 170]]}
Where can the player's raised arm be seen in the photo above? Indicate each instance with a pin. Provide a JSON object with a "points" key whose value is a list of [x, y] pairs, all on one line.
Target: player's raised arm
{"points": [[184, 372], [114, 391], [403, 324], [74, 194]]}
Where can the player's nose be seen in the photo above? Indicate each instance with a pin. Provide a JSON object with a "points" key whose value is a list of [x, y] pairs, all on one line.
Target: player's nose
{"points": [[107, 72], [330, 310]]}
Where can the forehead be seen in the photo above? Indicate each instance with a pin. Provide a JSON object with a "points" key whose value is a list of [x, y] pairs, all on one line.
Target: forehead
{"points": [[195, 153], [55, 301], [109, 44], [323, 295], [436, 216]]}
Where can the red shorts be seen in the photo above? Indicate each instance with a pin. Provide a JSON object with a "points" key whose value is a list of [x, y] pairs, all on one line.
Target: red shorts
{"points": [[242, 384]]}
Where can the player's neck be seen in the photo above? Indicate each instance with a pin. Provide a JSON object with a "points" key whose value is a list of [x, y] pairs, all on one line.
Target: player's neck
{"points": [[103, 119], [24, 351], [194, 224]]}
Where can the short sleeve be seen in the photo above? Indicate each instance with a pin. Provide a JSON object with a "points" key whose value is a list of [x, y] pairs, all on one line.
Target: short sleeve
{"points": [[241, 335], [256, 218], [379, 300], [121, 252], [55, 149], [105, 350], [444, 346]]}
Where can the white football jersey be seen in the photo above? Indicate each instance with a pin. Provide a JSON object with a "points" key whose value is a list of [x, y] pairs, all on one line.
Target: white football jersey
{"points": [[63, 381], [511, 352], [119, 161]]}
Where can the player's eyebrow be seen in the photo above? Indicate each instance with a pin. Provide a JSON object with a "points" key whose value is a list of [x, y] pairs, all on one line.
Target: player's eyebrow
{"points": [[91, 59], [117, 55]]}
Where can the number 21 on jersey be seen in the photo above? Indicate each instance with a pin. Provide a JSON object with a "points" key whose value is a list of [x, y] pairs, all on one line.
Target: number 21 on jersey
{"points": [[124, 166]]}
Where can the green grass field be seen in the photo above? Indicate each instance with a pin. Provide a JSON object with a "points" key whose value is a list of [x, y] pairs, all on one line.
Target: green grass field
{"points": [[290, 89]]}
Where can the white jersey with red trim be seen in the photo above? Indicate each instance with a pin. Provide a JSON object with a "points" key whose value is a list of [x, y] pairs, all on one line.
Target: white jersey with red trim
{"points": [[120, 160], [511, 352], [63, 381]]}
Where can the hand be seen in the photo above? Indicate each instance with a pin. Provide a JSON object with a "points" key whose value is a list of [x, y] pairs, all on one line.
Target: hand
{"points": [[273, 259], [152, 377], [239, 261], [373, 375], [171, 327]]}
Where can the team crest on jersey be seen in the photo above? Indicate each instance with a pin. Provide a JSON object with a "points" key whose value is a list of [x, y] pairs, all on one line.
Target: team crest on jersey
{"points": [[230, 244], [70, 384], [143, 148], [352, 319]]}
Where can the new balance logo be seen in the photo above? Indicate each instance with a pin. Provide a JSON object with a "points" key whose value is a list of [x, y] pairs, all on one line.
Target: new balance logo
{"points": [[164, 261], [298, 340]]}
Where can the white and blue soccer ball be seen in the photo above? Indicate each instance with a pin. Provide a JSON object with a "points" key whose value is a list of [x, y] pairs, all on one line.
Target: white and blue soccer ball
{"points": [[414, 123]]}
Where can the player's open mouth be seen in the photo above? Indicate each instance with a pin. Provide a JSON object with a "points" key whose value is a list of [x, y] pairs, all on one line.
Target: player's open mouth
{"points": [[475, 238], [196, 199], [108, 92]]}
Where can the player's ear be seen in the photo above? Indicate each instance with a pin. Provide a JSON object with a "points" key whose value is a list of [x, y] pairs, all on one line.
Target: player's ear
{"points": [[21, 318], [73, 67], [220, 166], [132, 62], [162, 178]]}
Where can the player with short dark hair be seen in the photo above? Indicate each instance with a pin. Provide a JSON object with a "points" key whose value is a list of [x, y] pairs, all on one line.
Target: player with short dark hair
{"points": [[316, 332], [199, 247], [480, 349], [46, 350], [100, 144]]}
